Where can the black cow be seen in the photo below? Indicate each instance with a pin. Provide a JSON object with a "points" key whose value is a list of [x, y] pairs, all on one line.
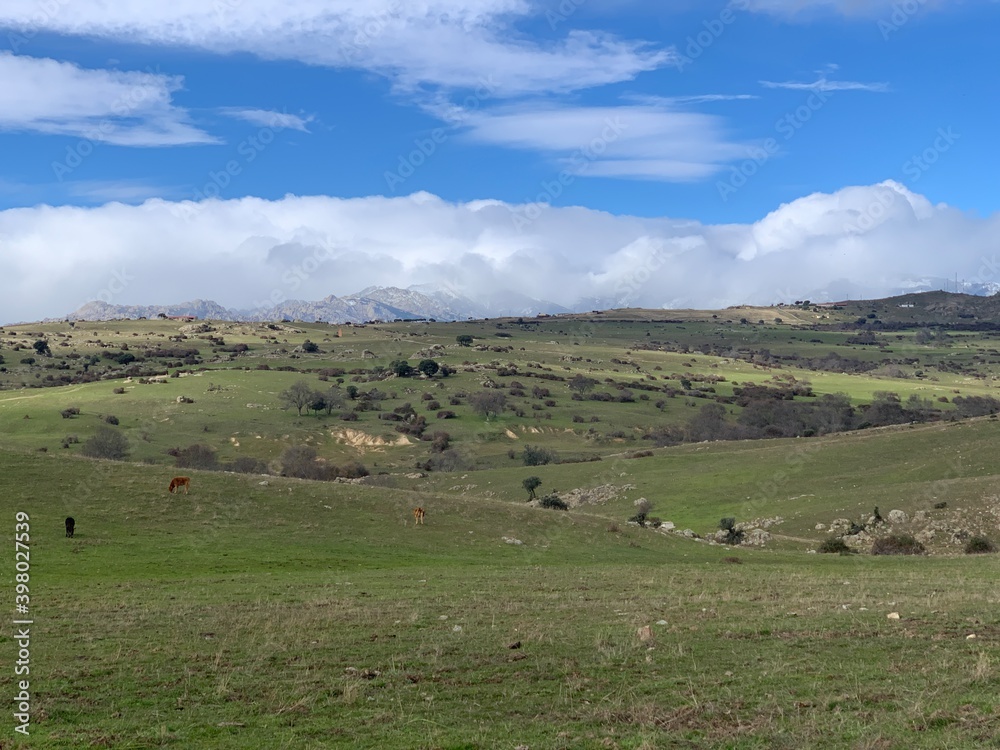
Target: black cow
{"points": [[70, 525]]}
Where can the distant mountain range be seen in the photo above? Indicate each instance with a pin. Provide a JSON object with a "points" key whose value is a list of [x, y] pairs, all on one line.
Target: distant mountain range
{"points": [[441, 303], [373, 303]]}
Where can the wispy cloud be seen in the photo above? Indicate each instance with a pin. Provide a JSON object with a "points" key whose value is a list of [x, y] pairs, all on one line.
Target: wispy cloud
{"points": [[125, 108], [630, 141], [269, 118], [824, 84]]}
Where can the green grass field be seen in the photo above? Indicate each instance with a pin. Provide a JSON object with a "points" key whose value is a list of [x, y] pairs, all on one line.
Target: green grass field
{"points": [[262, 611]]}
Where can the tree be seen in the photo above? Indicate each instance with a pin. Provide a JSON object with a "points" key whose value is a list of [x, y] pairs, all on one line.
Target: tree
{"points": [[42, 347], [299, 395], [531, 484], [401, 368], [317, 403], [310, 347], [581, 384], [464, 340], [428, 367], [334, 399], [487, 403], [534, 456], [106, 443]]}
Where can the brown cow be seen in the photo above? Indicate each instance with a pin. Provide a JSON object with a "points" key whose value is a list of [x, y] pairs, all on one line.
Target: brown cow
{"points": [[178, 482], [418, 515]]}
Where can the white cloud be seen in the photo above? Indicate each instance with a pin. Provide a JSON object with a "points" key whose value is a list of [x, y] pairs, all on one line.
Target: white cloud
{"points": [[824, 84], [634, 141], [246, 251], [269, 118], [455, 44], [125, 108]]}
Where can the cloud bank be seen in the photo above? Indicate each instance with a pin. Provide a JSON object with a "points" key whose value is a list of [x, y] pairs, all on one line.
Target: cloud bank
{"points": [[252, 252]]}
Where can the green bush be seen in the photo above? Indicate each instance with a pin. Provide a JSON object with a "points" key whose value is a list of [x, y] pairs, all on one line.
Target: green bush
{"points": [[106, 443], [535, 456], [898, 544], [834, 545], [553, 502], [979, 545]]}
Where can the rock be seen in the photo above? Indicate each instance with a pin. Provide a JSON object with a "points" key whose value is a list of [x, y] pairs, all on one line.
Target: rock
{"points": [[667, 526], [898, 516], [840, 525], [689, 534], [756, 538], [970, 637], [820, 526], [892, 616], [511, 540], [920, 515], [645, 633]]}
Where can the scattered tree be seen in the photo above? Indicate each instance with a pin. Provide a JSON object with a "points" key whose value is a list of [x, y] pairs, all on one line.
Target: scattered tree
{"points": [[531, 484], [487, 403], [428, 367], [464, 340], [299, 395], [106, 443]]}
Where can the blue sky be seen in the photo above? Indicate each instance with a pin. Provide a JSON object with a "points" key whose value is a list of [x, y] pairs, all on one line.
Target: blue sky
{"points": [[629, 120]]}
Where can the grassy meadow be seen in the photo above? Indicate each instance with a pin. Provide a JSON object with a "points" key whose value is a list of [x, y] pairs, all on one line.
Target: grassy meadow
{"points": [[266, 611]]}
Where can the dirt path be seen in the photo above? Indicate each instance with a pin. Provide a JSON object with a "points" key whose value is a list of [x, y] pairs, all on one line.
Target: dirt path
{"points": [[22, 398]]}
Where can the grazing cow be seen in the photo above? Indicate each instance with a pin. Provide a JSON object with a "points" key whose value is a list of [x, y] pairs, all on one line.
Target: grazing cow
{"points": [[178, 482], [418, 515], [70, 526]]}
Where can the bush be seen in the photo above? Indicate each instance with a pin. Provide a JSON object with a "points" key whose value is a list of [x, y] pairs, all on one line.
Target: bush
{"points": [[119, 391], [106, 443], [70, 440], [446, 414], [834, 545], [733, 535], [898, 544], [534, 456], [940, 505], [111, 419], [979, 545], [70, 412], [247, 465], [196, 457], [553, 502]]}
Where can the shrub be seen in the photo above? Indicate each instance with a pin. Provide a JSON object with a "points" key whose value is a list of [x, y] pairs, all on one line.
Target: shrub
{"points": [[70, 412], [119, 390], [733, 535], [196, 457], [111, 419], [898, 544], [732, 560], [940, 505], [534, 456], [834, 545], [553, 502], [642, 509], [446, 414], [440, 442], [70, 440], [979, 545], [247, 465], [433, 405], [106, 443], [613, 528]]}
